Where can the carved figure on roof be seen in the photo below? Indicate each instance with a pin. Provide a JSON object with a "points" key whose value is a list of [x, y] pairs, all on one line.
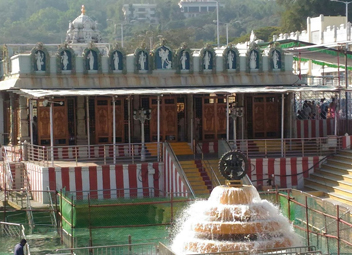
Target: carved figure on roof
{"points": [[183, 60], [230, 58], [253, 60], [116, 60], [39, 56], [207, 58], [91, 60], [276, 59], [142, 60], [164, 56], [64, 60]]}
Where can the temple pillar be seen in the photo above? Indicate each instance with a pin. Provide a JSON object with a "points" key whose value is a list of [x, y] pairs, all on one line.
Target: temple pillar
{"points": [[2, 124], [242, 120], [190, 115], [12, 119], [23, 127], [82, 137], [137, 123]]}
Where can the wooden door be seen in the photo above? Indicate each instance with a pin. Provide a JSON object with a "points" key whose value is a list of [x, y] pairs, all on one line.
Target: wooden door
{"points": [[214, 118], [265, 114], [120, 120], [60, 123], [103, 122], [168, 119]]}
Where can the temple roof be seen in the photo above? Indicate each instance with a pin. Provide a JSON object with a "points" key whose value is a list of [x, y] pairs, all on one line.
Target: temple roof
{"points": [[83, 29]]}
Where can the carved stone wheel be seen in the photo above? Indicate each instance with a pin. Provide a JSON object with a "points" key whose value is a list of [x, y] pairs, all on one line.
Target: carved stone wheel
{"points": [[233, 165]]}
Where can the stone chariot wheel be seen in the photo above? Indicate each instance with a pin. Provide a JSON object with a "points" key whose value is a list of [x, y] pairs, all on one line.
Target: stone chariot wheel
{"points": [[233, 165]]}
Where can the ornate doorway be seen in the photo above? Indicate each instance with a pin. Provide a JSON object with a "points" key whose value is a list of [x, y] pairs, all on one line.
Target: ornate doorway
{"points": [[210, 121], [263, 116], [103, 120], [60, 123], [169, 118]]}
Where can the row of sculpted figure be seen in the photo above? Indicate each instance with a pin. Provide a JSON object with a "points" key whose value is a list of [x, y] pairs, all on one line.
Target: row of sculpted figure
{"points": [[163, 60]]}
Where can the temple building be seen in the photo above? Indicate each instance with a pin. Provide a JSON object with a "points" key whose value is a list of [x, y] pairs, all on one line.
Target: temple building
{"points": [[86, 99]]}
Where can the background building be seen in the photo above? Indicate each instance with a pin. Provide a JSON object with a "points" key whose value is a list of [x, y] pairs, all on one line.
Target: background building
{"points": [[140, 13], [193, 8]]}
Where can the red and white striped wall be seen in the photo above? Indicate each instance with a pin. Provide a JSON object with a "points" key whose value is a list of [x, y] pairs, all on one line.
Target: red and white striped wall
{"points": [[37, 176], [207, 147], [282, 170], [107, 181], [315, 128], [346, 142], [172, 179]]}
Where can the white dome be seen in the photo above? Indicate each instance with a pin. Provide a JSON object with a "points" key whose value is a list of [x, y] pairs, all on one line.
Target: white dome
{"points": [[83, 30]]}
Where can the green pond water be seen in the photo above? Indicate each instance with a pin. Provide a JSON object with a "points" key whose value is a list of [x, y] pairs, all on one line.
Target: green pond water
{"points": [[45, 240]]}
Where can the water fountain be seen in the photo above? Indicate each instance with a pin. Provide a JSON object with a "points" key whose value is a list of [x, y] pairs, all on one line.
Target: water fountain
{"points": [[234, 218]]}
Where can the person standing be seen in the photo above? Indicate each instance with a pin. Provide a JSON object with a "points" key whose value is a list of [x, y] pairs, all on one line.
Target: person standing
{"points": [[18, 250]]}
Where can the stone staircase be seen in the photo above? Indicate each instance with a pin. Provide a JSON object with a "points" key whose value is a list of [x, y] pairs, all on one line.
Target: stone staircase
{"points": [[198, 179], [334, 178], [214, 163], [193, 168], [181, 148]]}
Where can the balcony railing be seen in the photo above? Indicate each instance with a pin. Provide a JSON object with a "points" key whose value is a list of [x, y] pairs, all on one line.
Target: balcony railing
{"points": [[99, 154]]}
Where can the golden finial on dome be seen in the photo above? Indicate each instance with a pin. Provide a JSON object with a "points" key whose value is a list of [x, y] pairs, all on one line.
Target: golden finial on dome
{"points": [[83, 10]]}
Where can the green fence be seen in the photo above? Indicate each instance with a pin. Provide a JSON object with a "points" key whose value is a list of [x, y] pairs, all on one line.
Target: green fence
{"points": [[321, 223], [105, 219]]}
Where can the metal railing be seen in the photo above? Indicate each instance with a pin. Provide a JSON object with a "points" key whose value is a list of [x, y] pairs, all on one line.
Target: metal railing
{"points": [[209, 169], [7, 169], [289, 147], [128, 249], [104, 154], [298, 250], [179, 168], [127, 193], [325, 80], [14, 230]]}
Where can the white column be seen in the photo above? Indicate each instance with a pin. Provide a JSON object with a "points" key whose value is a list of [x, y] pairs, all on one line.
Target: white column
{"points": [[227, 118], [129, 124], [282, 123], [52, 133], [88, 127], [217, 23], [23, 134], [12, 119], [158, 127], [82, 136], [114, 127], [31, 121], [2, 128]]}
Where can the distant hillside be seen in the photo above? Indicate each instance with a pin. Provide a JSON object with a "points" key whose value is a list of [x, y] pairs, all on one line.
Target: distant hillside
{"points": [[31, 21]]}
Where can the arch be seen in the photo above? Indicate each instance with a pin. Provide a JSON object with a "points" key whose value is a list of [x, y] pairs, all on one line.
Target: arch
{"points": [[276, 58], [91, 59], [65, 59], [183, 60], [40, 59], [117, 60], [207, 59], [231, 59], [162, 58], [142, 60], [254, 59]]}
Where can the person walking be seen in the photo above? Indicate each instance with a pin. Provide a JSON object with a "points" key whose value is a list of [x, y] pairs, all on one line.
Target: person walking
{"points": [[19, 247]]}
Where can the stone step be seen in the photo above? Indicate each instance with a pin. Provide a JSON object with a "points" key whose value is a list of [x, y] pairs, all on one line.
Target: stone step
{"points": [[323, 186], [334, 175], [333, 181], [337, 169], [343, 157], [339, 162]]}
